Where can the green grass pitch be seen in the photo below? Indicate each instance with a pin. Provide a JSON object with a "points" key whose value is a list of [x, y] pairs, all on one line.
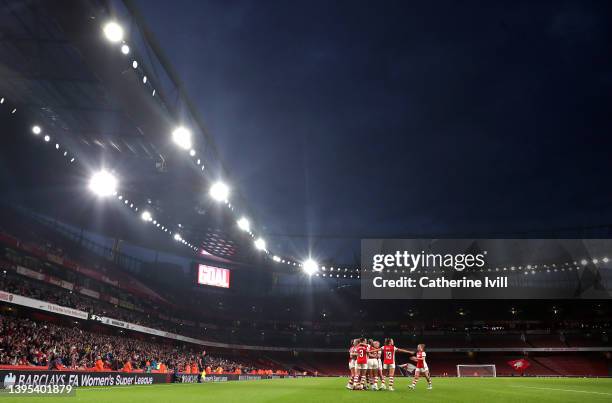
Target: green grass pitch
{"points": [[321, 390]]}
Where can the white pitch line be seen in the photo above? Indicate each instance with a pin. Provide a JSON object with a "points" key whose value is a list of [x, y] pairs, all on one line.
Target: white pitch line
{"points": [[565, 390]]}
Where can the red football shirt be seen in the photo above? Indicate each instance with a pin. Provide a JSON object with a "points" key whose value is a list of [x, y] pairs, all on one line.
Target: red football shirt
{"points": [[420, 355], [389, 354], [362, 354]]}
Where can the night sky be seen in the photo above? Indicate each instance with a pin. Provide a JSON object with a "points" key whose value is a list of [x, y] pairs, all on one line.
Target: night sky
{"points": [[359, 119]]}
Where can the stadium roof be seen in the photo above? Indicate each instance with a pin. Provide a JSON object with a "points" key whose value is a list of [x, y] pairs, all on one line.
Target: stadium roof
{"points": [[59, 71], [113, 107]]}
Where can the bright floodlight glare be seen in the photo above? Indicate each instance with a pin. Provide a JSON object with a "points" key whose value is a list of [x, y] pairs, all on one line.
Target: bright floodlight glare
{"points": [[125, 49], [219, 191], [182, 137], [192, 152], [36, 129], [47, 138], [310, 267], [146, 216], [244, 224], [103, 183], [113, 32], [177, 237], [260, 244]]}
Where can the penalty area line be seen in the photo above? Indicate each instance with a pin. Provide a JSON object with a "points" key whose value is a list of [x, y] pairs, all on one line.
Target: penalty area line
{"points": [[564, 390]]}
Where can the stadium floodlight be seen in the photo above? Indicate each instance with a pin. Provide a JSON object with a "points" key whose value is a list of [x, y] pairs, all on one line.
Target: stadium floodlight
{"points": [[310, 267], [182, 137], [192, 152], [146, 216], [244, 224], [177, 237], [276, 258], [36, 130], [219, 191], [113, 32], [260, 244], [47, 138], [125, 49], [135, 64], [103, 183]]}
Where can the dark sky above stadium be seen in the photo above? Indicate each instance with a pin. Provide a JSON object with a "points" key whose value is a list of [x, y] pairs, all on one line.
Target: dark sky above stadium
{"points": [[380, 119]]}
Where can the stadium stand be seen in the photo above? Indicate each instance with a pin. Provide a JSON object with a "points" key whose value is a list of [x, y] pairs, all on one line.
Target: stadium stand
{"points": [[56, 272], [58, 345]]}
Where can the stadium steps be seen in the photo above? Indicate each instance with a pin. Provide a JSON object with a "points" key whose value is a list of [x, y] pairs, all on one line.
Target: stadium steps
{"points": [[269, 361], [287, 365], [574, 366], [545, 364]]}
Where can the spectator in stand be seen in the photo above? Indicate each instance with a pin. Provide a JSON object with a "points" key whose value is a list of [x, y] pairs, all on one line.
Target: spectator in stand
{"points": [[127, 366], [56, 364], [99, 364]]}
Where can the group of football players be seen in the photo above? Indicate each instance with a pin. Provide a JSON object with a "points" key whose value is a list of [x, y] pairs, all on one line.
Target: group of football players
{"points": [[367, 369]]}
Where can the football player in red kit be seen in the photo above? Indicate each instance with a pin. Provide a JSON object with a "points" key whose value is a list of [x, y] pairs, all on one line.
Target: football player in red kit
{"points": [[380, 367], [373, 363], [421, 367], [388, 352], [362, 351], [352, 360]]}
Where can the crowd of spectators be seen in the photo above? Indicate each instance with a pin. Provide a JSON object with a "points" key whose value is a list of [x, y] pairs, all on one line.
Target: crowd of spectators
{"points": [[27, 342], [46, 292], [22, 286]]}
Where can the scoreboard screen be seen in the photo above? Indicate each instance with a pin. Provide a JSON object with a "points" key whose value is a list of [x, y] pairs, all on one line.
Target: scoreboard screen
{"points": [[213, 276]]}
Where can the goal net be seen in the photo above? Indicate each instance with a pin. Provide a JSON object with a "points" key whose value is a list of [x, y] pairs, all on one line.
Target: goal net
{"points": [[480, 370]]}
